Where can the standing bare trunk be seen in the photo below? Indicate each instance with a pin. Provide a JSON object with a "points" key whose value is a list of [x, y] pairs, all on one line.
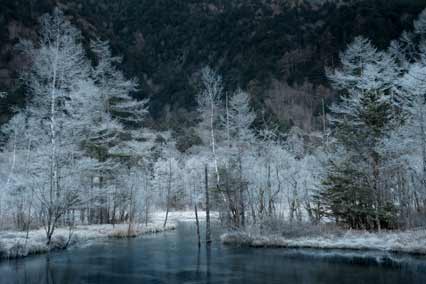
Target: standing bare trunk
{"points": [[168, 193], [213, 142], [269, 185], [324, 123], [146, 207], [197, 223], [50, 226], [131, 212], [28, 224], [31, 198], [241, 194], [208, 233], [114, 206], [376, 189], [261, 202], [12, 168]]}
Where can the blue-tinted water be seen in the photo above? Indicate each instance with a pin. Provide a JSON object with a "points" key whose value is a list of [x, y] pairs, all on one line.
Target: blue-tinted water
{"points": [[174, 257]]}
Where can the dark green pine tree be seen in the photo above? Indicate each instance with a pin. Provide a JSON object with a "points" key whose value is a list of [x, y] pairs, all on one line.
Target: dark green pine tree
{"points": [[353, 189]]}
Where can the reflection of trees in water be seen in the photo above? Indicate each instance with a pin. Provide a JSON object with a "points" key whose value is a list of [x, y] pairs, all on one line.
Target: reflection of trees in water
{"points": [[176, 258], [208, 259], [36, 271], [198, 262], [44, 271], [49, 276]]}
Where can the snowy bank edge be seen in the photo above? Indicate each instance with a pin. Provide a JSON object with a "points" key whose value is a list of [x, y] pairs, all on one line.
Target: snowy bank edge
{"points": [[410, 242], [18, 247]]}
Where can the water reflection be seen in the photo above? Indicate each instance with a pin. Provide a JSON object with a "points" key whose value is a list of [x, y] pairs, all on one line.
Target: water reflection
{"points": [[175, 258], [208, 260]]}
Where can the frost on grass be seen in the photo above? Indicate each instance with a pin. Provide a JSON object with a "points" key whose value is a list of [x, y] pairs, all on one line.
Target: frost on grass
{"points": [[413, 241], [15, 244]]}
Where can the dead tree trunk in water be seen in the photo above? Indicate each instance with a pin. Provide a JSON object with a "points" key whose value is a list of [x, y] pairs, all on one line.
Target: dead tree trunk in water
{"points": [[197, 222], [208, 233]]}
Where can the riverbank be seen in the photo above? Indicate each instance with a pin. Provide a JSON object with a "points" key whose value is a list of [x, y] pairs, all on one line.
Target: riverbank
{"points": [[412, 242], [15, 244]]}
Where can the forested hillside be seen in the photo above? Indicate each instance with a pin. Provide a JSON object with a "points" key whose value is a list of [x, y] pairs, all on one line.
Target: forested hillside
{"points": [[275, 49], [270, 113]]}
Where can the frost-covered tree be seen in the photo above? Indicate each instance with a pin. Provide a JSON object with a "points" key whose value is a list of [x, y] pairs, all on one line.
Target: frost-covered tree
{"points": [[240, 140], [167, 174], [209, 109], [116, 136], [362, 118], [412, 86], [54, 81], [405, 148], [17, 187], [79, 140], [380, 169], [115, 88]]}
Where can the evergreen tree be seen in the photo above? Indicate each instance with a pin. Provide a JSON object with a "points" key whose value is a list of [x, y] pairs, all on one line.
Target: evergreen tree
{"points": [[363, 117]]}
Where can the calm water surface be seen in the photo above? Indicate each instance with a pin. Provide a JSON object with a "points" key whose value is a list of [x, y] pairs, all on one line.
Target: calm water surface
{"points": [[174, 257]]}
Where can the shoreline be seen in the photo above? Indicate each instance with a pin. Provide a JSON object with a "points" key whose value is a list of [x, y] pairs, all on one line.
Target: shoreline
{"points": [[14, 244], [408, 242]]}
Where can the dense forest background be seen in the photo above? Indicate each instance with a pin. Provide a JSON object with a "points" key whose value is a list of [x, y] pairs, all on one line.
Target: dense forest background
{"points": [[278, 50], [265, 111]]}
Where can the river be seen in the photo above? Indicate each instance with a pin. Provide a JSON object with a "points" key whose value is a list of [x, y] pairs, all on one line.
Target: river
{"points": [[174, 257]]}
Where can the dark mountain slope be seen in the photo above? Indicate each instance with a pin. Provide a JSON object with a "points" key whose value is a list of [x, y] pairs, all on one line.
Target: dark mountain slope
{"points": [[277, 49]]}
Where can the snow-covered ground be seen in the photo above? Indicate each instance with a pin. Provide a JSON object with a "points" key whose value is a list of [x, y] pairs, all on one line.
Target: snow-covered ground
{"points": [[181, 216], [413, 241], [14, 244]]}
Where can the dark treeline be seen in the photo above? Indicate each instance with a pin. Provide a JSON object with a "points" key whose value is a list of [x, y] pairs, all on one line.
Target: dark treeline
{"points": [[269, 48]]}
